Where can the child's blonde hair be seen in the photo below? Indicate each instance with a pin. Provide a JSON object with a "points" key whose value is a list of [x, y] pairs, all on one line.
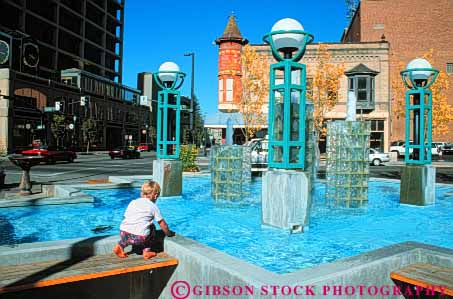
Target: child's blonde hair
{"points": [[150, 187]]}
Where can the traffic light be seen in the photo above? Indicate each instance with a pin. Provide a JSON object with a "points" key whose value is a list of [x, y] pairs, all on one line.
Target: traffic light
{"points": [[57, 106]]}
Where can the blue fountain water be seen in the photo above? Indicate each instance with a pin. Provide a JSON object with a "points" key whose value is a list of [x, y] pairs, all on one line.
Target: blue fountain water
{"points": [[236, 229]]}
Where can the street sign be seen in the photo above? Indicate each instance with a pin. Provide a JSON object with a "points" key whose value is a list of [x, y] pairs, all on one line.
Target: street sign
{"points": [[144, 100], [49, 109], [84, 100]]}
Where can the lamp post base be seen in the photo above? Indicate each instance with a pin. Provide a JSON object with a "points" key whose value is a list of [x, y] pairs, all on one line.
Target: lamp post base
{"points": [[168, 173], [286, 199], [418, 185]]}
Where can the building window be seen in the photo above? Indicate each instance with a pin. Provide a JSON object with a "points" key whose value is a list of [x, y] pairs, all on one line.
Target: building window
{"points": [[221, 90], [377, 134], [449, 68], [363, 87], [229, 90], [361, 82]]}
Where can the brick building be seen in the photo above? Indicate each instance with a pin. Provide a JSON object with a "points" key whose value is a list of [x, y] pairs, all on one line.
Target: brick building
{"points": [[412, 27], [230, 68], [366, 73]]}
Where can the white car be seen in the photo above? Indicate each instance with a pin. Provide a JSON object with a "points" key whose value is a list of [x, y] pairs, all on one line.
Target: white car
{"points": [[259, 150], [399, 147], [376, 158], [437, 147]]}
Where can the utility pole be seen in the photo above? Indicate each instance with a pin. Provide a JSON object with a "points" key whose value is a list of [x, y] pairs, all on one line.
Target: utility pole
{"points": [[192, 92]]}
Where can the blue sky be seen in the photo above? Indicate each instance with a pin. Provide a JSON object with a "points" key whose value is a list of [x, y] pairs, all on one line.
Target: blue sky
{"points": [[157, 31]]}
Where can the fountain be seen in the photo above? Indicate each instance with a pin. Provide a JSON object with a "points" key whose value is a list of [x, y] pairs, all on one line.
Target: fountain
{"points": [[230, 172], [347, 165], [347, 168], [25, 163]]}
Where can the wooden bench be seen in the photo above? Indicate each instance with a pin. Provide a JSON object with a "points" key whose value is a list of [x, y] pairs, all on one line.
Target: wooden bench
{"points": [[28, 278], [425, 276]]}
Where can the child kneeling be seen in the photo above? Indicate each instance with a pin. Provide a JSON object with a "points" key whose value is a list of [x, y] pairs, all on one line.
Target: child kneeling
{"points": [[137, 228]]}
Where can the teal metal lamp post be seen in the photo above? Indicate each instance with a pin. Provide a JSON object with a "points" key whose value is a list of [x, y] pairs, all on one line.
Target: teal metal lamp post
{"points": [[418, 77], [167, 169], [286, 193], [418, 175], [287, 95], [170, 79]]}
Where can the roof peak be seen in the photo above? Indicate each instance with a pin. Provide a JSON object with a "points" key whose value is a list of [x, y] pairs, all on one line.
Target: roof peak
{"points": [[232, 31]]}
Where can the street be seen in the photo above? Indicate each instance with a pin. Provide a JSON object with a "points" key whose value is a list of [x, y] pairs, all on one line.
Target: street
{"points": [[85, 167], [99, 166]]}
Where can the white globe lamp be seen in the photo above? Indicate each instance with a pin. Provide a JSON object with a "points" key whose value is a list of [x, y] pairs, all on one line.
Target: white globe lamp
{"points": [[290, 41], [419, 63], [172, 69]]}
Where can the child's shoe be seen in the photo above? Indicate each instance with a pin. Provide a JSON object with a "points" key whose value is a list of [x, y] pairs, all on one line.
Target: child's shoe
{"points": [[119, 251], [148, 254]]}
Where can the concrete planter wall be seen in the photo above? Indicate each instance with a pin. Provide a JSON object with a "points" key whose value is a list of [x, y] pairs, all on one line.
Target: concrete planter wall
{"points": [[200, 265]]}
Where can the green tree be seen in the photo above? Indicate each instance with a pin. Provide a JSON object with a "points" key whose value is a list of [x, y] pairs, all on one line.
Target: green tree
{"points": [[198, 123], [58, 127], [89, 132]]}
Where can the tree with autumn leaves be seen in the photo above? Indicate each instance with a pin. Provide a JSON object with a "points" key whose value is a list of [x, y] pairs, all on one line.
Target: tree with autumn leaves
{"points": [[442, 112], [255, 88], [325, 85]]}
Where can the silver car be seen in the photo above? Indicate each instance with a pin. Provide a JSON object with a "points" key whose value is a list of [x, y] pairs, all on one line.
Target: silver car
{"points": [[376, 158]]}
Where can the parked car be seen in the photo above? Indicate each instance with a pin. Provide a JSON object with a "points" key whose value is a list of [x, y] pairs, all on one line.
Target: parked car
{"points": [[399, 147], [437, 148], [376, 158], [448, 148], [144, 147], [125, 153], [259, 151], [52, 154]]}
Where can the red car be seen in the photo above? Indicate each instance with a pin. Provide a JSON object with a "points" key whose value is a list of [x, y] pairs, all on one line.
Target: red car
{"points": [[52, 154], [144, 147], [125, 153]]}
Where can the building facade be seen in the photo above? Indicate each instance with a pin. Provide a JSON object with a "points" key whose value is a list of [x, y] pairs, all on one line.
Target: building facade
{"points": [[230, 67], [83, 34], [412, 28], [366, 67], [66, 54], [27, 111]]}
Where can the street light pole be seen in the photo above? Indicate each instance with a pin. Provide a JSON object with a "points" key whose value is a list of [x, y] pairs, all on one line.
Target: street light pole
{"points": [[192, 92]]}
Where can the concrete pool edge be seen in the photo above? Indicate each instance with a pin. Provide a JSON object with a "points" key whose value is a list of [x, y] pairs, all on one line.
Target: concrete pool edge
{"points": [[207, 266], [203, 265], [73, 193]]}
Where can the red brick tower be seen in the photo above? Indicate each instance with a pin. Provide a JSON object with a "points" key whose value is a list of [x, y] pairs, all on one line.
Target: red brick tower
{"points": [[230, 47]]}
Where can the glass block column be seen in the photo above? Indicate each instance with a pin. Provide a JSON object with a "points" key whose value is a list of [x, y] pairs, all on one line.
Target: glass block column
{"points": [[230, 172], [347, 168]]}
